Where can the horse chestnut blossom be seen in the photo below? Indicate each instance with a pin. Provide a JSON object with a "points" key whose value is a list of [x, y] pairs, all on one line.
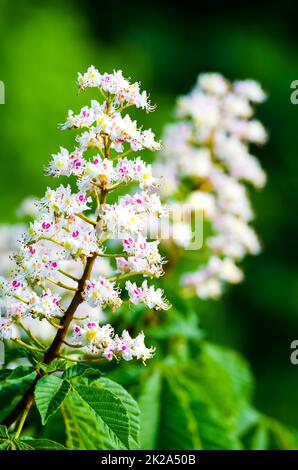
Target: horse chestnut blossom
{"points": [[65, 270], [207, 160]]}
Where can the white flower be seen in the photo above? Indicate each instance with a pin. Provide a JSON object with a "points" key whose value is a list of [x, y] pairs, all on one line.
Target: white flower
{"points": [[6, 328], [151, 297], [28, 207], [204, 202], [66, 164], [46, 304], [207, 281], [101, 341], [62, 201], [251, 90], [91, 78], [102, 293], [213, 83]]}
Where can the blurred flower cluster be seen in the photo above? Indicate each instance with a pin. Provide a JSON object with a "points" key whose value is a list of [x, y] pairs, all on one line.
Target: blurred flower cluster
{"points": [[206, 164]]}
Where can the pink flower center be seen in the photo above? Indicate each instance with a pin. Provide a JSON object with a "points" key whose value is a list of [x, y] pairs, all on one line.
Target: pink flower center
{"points": [[16, 284]]}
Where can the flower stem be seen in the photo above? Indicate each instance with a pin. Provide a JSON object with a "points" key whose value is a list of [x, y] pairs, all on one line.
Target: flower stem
{"points": [[54, 324], [49, 239], [60, 284], [114, 255], [72, 345], [30, 335], [129, 274], [23, 419], [86, 219], [26, 345], [68, 275]]}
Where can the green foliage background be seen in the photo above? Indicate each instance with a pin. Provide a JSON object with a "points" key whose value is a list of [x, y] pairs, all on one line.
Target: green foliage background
{"points": [[44, 44]]}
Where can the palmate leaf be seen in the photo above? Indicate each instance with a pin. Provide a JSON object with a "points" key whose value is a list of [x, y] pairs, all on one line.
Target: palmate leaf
{"points": [[131, 406], [176, 414], [84, 430], [110, 409], [217, 430], [167, 421], [50, 392]]}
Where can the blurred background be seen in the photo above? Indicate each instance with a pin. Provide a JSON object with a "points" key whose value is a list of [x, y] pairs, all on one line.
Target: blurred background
{"points": [[42, 47]]}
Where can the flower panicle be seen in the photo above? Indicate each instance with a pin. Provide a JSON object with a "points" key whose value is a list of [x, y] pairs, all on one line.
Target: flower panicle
{"points": [[71, 226]]}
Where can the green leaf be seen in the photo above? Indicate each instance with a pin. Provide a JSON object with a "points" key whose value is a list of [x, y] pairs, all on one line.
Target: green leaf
{"points": [[150, 405], [84, 430], [41, 444], [20, 445], [247, 418], [31, 444], [235, 368], [130, 405], [18, 373], [177, 414], [56, 364], [281, 437], [11, 354], [109, 409], [82, 370], [178, 427], [214, 433], [260, 438], [50, 391], [217, 430], [225, 377], [13, 385], [3, 432], [178, 324], [6, 445]]}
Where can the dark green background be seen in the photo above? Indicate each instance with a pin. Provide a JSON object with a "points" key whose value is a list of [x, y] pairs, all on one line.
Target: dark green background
{"points": [[44, 44]]}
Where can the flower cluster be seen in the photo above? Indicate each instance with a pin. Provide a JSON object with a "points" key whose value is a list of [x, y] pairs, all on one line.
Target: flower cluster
{"points": [[65, 255], [151, 297], [101, 340], [207, 163]]}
